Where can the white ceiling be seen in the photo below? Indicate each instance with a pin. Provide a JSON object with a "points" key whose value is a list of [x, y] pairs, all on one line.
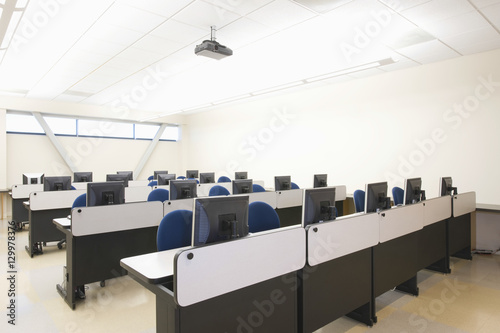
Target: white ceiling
{"points": [[139, 55]]}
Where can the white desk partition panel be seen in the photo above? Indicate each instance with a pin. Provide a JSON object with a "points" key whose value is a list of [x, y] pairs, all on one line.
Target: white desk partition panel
{"points": [[345, 235], [171, 205], [436, 209], [400, 221], [258, 182], [53, 199], [340, 192], [137, 193], [134, 183], [289, 198], [22, 191], [267, 197], [102, 219], [464, 203], [251, 260]]}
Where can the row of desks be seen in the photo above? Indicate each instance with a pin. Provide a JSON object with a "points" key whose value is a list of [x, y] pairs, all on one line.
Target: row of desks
{"points": [[299, 280]]}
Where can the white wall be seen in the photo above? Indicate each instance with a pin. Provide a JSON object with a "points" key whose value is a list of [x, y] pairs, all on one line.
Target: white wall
{"points": [[3, 157], [387, 127]]}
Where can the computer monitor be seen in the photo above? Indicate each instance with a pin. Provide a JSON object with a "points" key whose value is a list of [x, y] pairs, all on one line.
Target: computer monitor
{"points": [[376, 198], [218, 219], [192, 174], [446, 186], [413, 192], [33, 178], [156, 173], [183, 189], [105, 193], [118, 177], [207, 177], [320, 180], [318, 205], [130, 174], [242, 186], [241, 175], [165, 178], [282, 183], [82, 177], [58, 183]]}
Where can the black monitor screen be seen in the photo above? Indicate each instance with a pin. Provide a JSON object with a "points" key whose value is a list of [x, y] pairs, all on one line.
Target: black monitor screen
{"points": [[282, 183], [376, 197], [319, 205], [320, 180], [217, 219], [82, 177], [60, 183], [206, 177], [156, 173], [241, 175], [183, 189], [413, 191], [165, 178], [192, 174], [130, 174], [242, 186], [105, 193], [33, 178], [117, 177], [446, 186]]}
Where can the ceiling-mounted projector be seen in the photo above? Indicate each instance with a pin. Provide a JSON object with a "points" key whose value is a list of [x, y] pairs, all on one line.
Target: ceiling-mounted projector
{"points": [[212, 49]]}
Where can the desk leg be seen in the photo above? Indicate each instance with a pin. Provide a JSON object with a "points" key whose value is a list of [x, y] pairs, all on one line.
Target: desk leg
{"points": [[410, 286]]}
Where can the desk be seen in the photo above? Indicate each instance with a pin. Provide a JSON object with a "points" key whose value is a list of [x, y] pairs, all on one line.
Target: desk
{"points": [[459, 225], [19, 194], [43, 207], [98, 237], [197, 298]]}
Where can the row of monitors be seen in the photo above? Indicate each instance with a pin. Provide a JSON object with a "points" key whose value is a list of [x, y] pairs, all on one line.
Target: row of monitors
{"points": [[78, 177], [205, 177]]}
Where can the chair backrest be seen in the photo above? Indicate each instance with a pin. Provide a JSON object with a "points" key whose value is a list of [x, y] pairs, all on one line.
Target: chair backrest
{"points": [[258, 188], [153, 183], [181, 177], [80, 201], [150, 178], [174, 230], [218, 190], [398, 195], [261, 216], [295, 186], [359, 200], [223, 179], [197, 181], [159, 194]]}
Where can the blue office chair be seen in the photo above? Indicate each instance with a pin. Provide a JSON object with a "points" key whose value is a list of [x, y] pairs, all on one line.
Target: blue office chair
{"points": [[218, 190], [150, 178], [359, 200], [181, 177], [258, 188], [261, 216], [295, 186], [223, 179], [174, 230], [80, 201], [159, 194], [197, 181], [398, 195], [153, 183], [73, 188]]}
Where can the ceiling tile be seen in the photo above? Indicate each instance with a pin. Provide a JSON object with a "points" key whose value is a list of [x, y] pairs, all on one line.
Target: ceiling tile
{"points": [[456, 25], [322, 6], [472, 39], [204, 15], [180, 32], [157, 45], [428, 52], [436, 10], [484, 3], [132, 18], [492, 13], [239, 7], [281, 14], [158, 7], [242, 32]]}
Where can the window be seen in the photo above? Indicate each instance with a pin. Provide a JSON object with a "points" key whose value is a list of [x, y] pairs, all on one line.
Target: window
{"points": [[23, 123], [61, 126], [105, 128], [146, 131], [171, 133]]}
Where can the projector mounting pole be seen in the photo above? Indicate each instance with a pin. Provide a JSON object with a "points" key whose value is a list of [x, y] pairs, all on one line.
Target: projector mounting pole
{"points": [[212, 33]]}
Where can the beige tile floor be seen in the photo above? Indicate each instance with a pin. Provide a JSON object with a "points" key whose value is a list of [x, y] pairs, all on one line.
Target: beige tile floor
{"points": [[467, 300]]}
